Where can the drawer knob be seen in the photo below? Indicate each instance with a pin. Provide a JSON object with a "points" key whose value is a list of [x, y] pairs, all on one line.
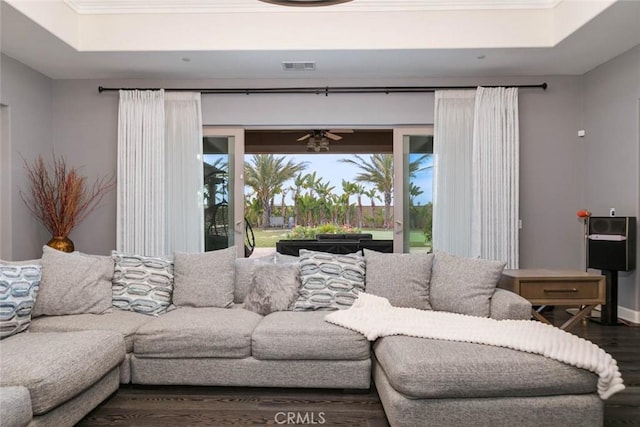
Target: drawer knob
{"points": [[561, 290]]}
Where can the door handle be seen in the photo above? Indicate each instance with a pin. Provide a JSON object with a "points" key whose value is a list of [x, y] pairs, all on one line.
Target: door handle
{"points": [[398, 227], [239, 227]]}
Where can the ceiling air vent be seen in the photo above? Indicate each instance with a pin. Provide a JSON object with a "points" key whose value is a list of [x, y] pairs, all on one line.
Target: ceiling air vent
{"points": [[299, 66]]}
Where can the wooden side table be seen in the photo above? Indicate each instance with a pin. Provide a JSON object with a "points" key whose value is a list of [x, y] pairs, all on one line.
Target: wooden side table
{"points": [[557, 287]]}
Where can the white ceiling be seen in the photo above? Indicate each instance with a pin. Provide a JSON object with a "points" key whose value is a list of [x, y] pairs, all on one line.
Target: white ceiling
{"points": [[247, 39]]}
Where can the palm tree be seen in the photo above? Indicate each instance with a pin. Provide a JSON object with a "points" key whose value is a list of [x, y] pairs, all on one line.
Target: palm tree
{"points": [[348, 188], [265, 173], [372, 194], [377, 170], [298, 184], [323, 189], [359, 191]]}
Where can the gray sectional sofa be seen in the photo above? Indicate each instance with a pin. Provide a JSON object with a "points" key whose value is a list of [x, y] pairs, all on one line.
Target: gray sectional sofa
{"points": [[63, 366]]}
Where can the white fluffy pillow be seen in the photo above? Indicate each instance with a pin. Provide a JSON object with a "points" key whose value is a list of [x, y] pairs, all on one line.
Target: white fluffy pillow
{"points": [[275, 287]]}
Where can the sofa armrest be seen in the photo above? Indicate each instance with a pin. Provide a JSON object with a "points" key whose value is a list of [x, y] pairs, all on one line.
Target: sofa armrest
{"points": [[15, 406], [509, 305]]}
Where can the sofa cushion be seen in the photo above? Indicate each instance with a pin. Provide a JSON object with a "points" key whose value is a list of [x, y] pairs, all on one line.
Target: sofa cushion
{"points": [[329, 281], [18, 289], [463, 285], [73, 283], [58, 366], [401, 278], [294, 335], [197, 332], [273, 288], [425, 368], [141, 283], [15, 406], [124, 322], [244, 275], [205, 279]]}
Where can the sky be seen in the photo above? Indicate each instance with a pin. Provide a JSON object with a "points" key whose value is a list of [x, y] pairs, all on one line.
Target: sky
{"points": [[328, 167]]}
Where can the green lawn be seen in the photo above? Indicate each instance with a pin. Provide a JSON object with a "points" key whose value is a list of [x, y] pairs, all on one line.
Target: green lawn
{"points": [[268, 238]]}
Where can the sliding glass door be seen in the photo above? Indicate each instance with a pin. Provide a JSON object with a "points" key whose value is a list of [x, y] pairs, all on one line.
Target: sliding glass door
{"points": [[223, 197], [413, 189]]}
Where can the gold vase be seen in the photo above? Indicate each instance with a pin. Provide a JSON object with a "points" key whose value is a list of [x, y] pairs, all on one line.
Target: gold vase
{"points": [[63, 244]]}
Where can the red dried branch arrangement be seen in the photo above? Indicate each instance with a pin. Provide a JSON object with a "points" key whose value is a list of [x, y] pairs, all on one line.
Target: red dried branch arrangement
{"points": [[59, 198]]}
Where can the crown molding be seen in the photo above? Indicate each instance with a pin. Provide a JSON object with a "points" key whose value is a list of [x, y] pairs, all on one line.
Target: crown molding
{"points": [[97, 7]]}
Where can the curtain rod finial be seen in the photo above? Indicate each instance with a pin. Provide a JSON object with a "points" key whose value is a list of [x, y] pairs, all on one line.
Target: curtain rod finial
{"points": [[544, 86], [100, 89]]}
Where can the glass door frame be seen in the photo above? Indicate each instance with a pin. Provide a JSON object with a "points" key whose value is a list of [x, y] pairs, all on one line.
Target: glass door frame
{"points": [[236, 180], [401, 236]]}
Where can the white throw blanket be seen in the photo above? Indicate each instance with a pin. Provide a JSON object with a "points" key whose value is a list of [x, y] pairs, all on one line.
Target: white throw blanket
{"points": [[375, 317]]}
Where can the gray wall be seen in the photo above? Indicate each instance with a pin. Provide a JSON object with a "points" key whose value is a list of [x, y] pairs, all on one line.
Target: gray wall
{"points": [[560, 173], [85, 130], [612, 155], [29, 97]]}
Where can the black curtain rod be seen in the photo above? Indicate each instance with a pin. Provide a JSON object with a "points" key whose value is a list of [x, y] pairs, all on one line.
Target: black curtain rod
{"points": [[318, 90]]}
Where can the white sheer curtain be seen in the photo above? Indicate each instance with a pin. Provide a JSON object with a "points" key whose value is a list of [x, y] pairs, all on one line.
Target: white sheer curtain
{"points": [[453, 136], [160, 176], [184, 172], [476, 198], [496, 166], [141, 173]]}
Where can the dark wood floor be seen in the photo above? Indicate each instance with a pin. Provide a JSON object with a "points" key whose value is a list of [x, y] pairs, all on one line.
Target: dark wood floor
{"points": [[224, 406]]}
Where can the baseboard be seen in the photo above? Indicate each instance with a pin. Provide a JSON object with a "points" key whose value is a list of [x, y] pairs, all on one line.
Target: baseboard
{"points": [[629, 315], [624, 313]]}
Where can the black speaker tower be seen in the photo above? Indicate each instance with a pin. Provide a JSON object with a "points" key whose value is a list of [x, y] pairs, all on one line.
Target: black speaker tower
{"points": [[611, 248]]}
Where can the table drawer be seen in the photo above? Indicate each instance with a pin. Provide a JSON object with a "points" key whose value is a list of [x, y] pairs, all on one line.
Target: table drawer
{"points": [[559, 290]]}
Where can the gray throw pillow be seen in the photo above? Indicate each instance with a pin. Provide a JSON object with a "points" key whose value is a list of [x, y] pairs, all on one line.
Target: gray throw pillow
{"points": [[18, 289], [142, 284], [274, 288], [463, 285], [401, 278], [244, 275], [329, 281], [73, 283], [204, 279]]}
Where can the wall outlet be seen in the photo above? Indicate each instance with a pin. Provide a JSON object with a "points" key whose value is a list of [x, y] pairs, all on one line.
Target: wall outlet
{"points": [[612, 212]]}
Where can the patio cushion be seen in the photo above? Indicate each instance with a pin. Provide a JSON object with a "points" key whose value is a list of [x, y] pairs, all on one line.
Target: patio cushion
{"points": [[192, 332]]}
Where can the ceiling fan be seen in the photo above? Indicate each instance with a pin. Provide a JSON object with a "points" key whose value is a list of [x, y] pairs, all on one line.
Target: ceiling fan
{"points": [[319, 139]]}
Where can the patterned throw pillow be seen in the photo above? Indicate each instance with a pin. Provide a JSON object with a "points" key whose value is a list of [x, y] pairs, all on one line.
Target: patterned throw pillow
{"points": [[274, 288], [18, 289], [329, 281], [142, 284]]}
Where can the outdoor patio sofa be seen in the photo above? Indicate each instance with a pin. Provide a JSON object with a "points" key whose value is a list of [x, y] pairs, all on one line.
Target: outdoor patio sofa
{"points": [[64, 365]]}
